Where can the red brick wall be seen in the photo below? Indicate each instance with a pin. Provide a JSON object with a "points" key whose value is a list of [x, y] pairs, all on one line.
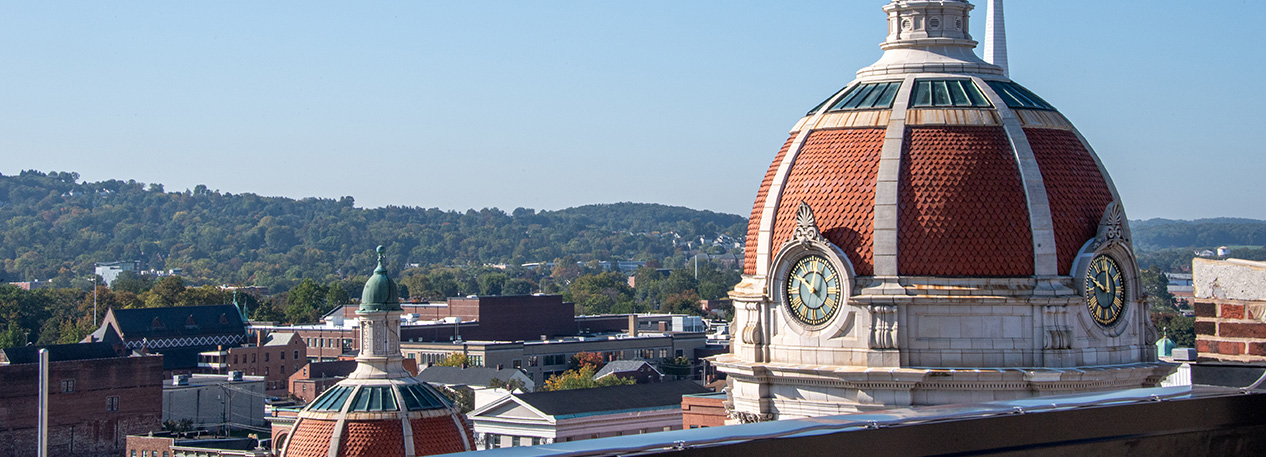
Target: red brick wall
{"points": [[702, 411], [148, 445], [80, 423], [1231, 329], [275, 363]]}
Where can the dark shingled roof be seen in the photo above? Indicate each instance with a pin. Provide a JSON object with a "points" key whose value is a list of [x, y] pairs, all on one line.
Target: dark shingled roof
{"points": [[617, 398], [473, 376], [623, 366], [178, 321], [333, 369], [59, 352]]}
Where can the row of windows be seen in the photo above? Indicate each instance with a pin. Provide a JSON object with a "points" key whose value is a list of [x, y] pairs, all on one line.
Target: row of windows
{"points": [[934, 93], [328, 342], [148, 453]]}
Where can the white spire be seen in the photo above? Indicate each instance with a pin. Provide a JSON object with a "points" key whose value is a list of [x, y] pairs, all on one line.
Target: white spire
{"points": [[996, 38]]}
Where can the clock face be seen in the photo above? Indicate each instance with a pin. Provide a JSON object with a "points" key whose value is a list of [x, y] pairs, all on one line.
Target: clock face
{"points": [[813, 290], [1105, 290]]}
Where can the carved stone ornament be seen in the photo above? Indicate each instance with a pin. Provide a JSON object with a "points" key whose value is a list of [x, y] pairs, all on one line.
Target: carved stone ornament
{"points": [[806, 226], [1112, 225], [883, 327]]}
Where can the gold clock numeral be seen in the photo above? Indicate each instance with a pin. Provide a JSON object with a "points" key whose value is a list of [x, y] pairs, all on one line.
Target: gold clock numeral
{"points": [[832, 290], [796, 301], [829, 302]]}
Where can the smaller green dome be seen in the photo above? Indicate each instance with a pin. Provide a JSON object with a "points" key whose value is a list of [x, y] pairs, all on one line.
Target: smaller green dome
{"points": [[380, 292]]}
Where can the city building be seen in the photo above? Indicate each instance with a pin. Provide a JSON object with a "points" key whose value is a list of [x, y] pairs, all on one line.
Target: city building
{"points": [[477, 380], [934, 233], [541, 359], [109, 271], [380, 409], [640, 371], [216, 402], [314, 377], [703, 410], [276, 357], [1230, 305], [96, 398], [178, 333], [536, 418], [165, 445]]}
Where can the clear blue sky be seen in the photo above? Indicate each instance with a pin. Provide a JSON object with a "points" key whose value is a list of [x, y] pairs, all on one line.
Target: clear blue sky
{"points": [[549, 105]]}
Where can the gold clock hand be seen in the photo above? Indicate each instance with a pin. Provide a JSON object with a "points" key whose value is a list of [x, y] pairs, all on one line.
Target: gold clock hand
{"points": [[812, 290], [1097, 283]]}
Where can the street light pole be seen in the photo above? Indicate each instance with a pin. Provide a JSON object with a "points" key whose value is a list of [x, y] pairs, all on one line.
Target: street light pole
{"points": [[94, 300]]}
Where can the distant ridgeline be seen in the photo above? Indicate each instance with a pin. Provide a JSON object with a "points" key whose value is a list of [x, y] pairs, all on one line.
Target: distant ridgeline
{"points": [[1171, 244], [53, 226]]}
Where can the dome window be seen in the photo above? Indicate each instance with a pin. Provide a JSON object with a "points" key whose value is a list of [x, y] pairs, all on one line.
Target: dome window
{"points": [[866, 96], [377, 398], [1017, 96], [333, 399], [947, 93]]}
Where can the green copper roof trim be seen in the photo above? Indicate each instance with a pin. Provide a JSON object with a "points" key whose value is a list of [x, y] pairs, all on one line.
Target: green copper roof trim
{"points": [[380, 291]]}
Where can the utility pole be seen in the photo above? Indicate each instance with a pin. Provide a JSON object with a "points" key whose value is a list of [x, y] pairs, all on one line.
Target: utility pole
{"points": [[42, 421], [94, 300]]}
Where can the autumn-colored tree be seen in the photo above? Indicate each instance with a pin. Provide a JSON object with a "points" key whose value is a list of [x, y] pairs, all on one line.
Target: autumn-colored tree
{"points": [[582, 379], [455, 359], [586, 359]]}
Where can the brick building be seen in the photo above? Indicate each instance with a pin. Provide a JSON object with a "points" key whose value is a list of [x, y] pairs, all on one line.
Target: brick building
{"points": [[315, 377], [1230, 302], [179, 333], [275, 356], [703, 410], [96, 399]]}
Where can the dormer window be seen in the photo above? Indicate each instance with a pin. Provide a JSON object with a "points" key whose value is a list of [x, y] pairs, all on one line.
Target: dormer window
{"points": [[190, 323], [156, 324]]}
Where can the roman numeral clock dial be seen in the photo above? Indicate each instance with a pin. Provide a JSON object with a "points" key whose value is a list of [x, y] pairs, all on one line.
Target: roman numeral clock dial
{"points": [[813, 290], [1105, 291]]}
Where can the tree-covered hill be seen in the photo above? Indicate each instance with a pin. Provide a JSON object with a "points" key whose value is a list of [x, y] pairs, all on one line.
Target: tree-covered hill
{"points": [[53, 226], [1157, 234]]}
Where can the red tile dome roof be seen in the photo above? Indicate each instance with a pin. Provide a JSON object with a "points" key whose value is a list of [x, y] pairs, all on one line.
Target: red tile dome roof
{"points": [[934, 163]]}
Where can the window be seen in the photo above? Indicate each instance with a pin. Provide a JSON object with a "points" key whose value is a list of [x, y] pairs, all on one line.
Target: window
{"points": [[646, 354], [265, 371], [410, 355], [283, 355], [253, 357], [134, 453], [494, 441], [68, 386], [663, 353], [517, 363], [532, 361], [681, 353], [947, 93], [164, 453], [112, 403], [296, 354], [1016, 96], [266, 354], [144, 453], [476, 360], [536, 441]]}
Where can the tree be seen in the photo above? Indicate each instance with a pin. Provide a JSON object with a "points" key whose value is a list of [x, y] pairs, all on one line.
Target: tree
{"points": [[517, 287], [463, 397], [509, 385], [166, 292], [492, 283], [336, 295], [601, 293], [582, 379], [686, 302], [306, 302], [455, 359], [13, 337], [1156, 286], [586, 359]]}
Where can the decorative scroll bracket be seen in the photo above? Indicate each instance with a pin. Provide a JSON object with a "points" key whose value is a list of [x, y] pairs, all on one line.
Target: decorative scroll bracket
{"points": [[806, 226]]}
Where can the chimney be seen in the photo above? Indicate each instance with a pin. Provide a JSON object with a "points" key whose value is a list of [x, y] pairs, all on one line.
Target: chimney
{"points": [[996, 37], [632, 325]]}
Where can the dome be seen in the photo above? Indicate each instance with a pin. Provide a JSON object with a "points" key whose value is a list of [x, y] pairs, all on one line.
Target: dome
{"points": [[381, 293], [934, 163], [397, 417], [380, 409]]}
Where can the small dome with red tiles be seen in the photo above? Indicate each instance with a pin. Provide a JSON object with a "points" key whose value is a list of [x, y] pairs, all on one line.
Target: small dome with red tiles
{"points": [[380, 410], [933, 162]]}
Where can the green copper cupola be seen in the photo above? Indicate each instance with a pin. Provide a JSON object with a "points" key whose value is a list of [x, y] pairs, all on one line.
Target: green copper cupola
{"points": [[380, 292]]}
